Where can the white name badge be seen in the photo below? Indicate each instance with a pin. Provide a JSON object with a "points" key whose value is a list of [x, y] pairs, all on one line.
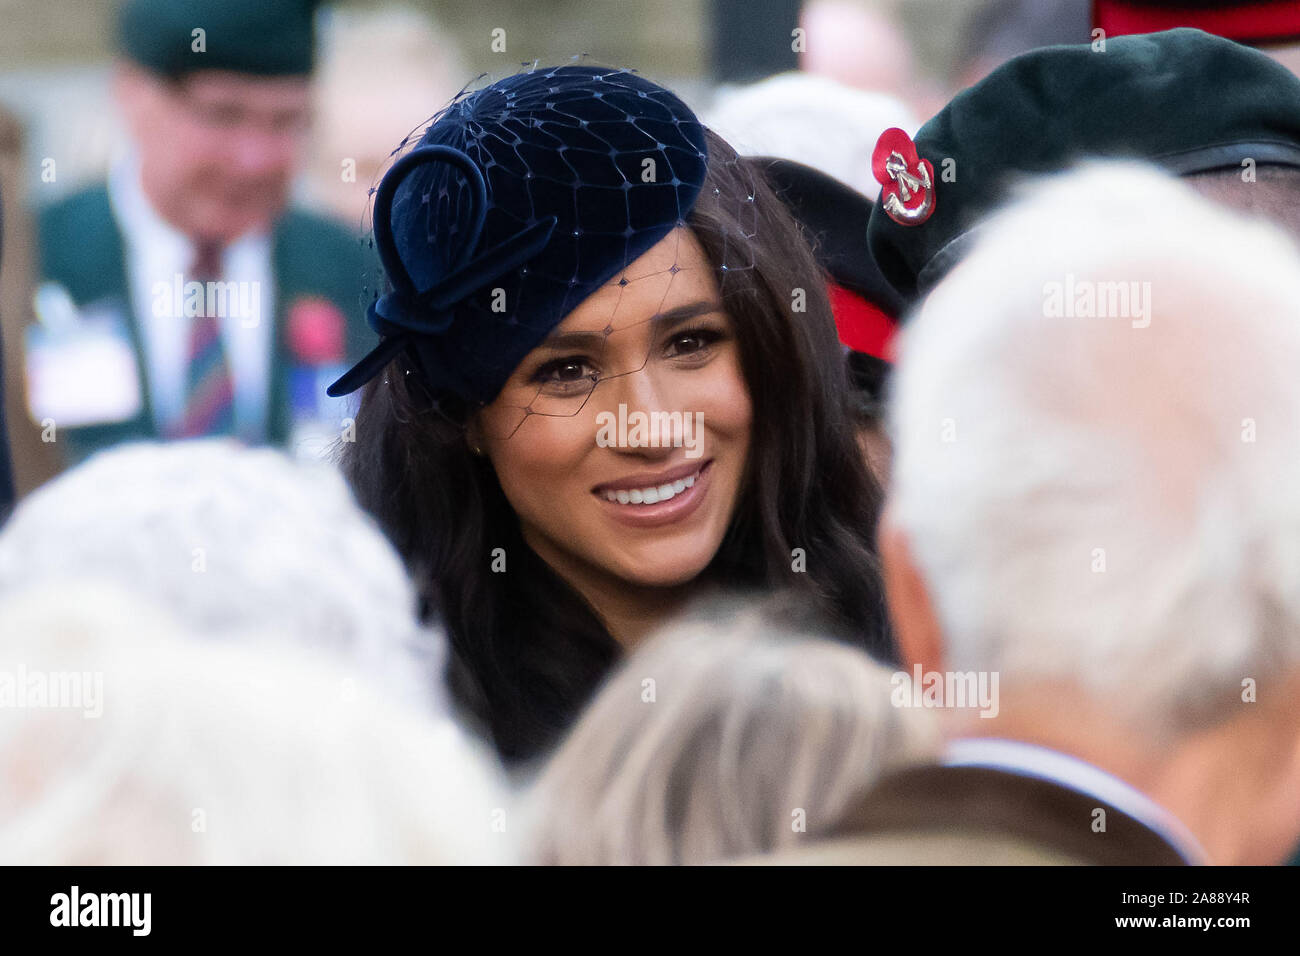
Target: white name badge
{"points": [[83, 373]]}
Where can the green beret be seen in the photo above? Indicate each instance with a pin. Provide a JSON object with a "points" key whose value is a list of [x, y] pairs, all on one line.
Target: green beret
{"points": [[1182, 99], [260, 37]]}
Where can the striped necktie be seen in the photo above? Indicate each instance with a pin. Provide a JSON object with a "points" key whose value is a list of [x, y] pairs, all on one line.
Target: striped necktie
{"points": [[209, 389]]}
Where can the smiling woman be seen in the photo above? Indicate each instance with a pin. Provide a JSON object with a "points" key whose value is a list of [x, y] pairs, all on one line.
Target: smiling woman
{"points": [[671, 329], [564, 246]]}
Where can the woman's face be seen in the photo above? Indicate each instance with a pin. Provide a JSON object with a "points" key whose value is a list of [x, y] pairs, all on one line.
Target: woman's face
{"points": [[637, 475]]}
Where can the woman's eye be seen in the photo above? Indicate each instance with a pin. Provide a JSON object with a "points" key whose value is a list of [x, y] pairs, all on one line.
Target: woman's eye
{"points": [[693, 341], [564, 371]]}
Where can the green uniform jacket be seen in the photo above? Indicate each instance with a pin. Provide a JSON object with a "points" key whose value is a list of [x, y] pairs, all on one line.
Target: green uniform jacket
{"points": [[81, 248]]}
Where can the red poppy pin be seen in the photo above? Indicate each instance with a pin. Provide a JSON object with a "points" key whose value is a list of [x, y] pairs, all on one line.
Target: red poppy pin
{"points": [[315, 331], [907, 181]]}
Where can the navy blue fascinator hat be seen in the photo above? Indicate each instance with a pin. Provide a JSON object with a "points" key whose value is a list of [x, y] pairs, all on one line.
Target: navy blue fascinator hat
{"points": [[519, 201]]}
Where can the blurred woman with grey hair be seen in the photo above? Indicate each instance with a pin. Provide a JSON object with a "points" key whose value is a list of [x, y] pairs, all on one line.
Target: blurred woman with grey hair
{"points": [[232, 542], [123, 745], [728, 735]]}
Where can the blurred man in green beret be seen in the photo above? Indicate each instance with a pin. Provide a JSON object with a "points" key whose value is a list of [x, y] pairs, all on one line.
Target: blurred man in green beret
{"points": [[1222, 115], [184, 297]]}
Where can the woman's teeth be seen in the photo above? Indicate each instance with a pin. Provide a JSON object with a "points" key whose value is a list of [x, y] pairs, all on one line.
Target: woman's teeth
{"points": [[652, 495]]}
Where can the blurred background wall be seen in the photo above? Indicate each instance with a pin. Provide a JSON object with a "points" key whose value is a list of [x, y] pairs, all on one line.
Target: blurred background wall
{"points": [[54, 56]]}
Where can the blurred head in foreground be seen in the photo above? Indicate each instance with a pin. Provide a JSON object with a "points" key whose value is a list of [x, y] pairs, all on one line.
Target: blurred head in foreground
{"points": [[727, 735], [1096, 494], [237, 544], [122, 745]]}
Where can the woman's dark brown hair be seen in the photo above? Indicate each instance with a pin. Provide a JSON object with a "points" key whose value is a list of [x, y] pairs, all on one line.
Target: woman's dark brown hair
{"points": [[528, 651]]}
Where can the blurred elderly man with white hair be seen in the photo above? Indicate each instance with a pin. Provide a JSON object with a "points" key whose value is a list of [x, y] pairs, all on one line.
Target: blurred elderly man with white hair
{"points": [[123, 744], [1095, 512], [236, 543]]}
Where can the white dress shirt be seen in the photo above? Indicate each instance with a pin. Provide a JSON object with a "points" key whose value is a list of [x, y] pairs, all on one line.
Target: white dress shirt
{"points": [[155, 253], [1031, 760]]}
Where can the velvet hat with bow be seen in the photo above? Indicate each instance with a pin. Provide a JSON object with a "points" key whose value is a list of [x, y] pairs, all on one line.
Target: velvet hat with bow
{"points": [[519, 201]]}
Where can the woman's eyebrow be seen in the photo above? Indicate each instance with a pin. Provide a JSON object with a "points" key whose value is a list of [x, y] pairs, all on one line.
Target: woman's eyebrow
{"points": [[669, 317]]}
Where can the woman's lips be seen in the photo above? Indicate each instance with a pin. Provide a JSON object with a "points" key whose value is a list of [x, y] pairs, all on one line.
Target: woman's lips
{"points": [[650, 501], [655, 479]]}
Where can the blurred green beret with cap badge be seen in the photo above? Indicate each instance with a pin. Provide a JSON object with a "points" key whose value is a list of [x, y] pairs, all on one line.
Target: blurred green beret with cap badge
{"points": [[258, 37], [1181, 99]]}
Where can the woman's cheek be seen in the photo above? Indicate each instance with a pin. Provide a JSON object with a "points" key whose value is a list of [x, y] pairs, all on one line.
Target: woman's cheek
{"points": [[539, 463], [726, 404]]}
